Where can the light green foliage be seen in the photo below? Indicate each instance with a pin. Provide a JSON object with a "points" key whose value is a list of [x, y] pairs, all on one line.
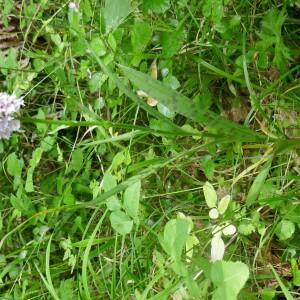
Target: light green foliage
{"points": [[114, 12], [14, 168], [77, 160], [172, 42], [210, 195], [140, 37], [258, 182], [285, 229], [175, 236], [223, 204], [120, 222], [157, 6], [108, 183], [271, 35], [103, 196], [131, 201], [228, 279], [213, 9], [33, 163]]}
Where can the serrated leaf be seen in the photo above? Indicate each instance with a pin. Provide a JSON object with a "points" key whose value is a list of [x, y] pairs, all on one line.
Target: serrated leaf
{"points": [[132, 200], [114, 12], [210, 195], [223, 204], [120, 222]]}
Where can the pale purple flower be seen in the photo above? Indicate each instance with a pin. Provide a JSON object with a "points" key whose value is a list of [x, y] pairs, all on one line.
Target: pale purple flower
{"points": [[9, 104], [7, 126]]}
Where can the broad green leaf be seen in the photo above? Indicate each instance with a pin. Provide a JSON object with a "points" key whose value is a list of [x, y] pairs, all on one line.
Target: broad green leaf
{"points": [[213, 9], [268, 294], [77, 160], [228, 279], [109, 182], [191, 241], [175, 237], [14, 168], [157, 6], [132, 200], [258, 183], [223, 204], [171, 42], [210, 195], [285, 229], [33, 163], [140, 36], [98, 46], [120, 222], [114, 12], [183, 105], [118, 160]]}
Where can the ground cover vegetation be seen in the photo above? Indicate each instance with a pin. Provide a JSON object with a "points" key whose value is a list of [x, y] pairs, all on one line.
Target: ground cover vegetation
{"points": [[149, 149]]}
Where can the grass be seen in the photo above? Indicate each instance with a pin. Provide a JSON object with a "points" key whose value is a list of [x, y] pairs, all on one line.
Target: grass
{"points": [[104, 196]]}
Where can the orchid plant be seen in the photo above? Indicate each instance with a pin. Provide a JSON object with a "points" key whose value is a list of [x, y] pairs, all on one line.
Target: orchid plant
{"points": [[217, 209]]}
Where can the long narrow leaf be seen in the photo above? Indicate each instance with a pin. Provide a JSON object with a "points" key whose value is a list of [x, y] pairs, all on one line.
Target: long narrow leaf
{"points": [[183, 105]]}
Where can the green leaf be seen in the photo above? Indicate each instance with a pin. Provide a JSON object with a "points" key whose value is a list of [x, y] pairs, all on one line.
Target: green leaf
{"points": [[258, 182], [213, 9], [223, 204], [140, 36], [171, 42], [22, 203], [109, 182], [157, 6], [285, 229], [183, 105], [132, 200], [120, 222], [295, 272], [77, 160], [210, 195], [268, 294], [175, 236], [14, 168], [228, 279], [66, 289], [114, 12], [284, 289], [98, 46], [33, 163]]}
